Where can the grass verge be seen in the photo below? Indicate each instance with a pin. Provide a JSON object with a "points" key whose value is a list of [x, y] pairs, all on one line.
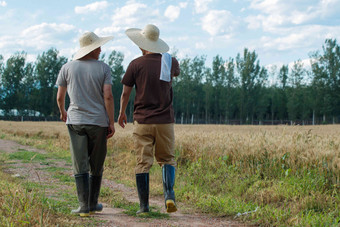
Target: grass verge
{"points": [[286, 182], [24, 204], [115, 199]]}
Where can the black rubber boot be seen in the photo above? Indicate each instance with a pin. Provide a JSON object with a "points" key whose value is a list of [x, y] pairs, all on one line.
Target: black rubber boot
{"points": [[142, 181], [168, 173], [82, 183], [95, 183]]}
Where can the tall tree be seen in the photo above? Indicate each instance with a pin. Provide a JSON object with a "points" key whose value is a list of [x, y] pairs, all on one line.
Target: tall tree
{"points": [[208, 89], [326, 74], [322, 105], [1, 86], [115, 61], [13, 83], [252, 78], [182, 86], [218, 79], [282, 93], [296, 97], [229, 95], [47, 69], [1, 65], [29, 88], [197, 71]]}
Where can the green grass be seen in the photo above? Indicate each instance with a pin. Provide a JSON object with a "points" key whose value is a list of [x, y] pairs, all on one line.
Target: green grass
{"points": [[31, 186], [25, 204], [27, 156], [54, 169], [155, 213], [256, 189], [63, 177], [303, 198], [48, 145], [116, 199], [3, 157]]}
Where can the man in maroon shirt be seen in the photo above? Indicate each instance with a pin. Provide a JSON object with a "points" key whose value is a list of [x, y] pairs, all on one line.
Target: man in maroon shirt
{"points": [[153, 116]]}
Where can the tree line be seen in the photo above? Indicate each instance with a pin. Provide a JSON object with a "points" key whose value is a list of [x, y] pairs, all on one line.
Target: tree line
{"points": [[231, 91]]}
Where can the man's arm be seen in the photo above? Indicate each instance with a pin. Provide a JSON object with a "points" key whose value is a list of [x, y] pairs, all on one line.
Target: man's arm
{"points": [[109, 106], [124, 100], [175, 68], [61, 102]]}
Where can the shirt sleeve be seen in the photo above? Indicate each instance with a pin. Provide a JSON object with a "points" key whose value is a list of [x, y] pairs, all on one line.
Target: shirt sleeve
{"points": [[107, 74], [61, 80], [129, 78]]}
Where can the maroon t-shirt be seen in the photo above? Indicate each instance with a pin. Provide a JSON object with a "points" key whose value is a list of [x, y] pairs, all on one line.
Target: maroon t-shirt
{"points": [[153, 100]]}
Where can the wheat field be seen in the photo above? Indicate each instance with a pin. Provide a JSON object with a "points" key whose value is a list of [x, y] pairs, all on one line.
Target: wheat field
{"points": [[288, 171], [305, 145]]}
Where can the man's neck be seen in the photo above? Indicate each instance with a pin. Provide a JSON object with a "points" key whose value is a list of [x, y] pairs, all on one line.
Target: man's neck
{"points": [[88, 57], [145, 52]]}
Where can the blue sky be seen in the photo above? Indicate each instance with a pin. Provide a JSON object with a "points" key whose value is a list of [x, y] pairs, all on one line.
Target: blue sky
{"points": [[280, 31]]}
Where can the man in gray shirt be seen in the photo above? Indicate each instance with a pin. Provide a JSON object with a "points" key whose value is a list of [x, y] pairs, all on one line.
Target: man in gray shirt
{"points": [[89, 118]]}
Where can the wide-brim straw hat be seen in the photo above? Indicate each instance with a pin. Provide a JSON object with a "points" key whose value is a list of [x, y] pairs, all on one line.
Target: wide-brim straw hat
{"points": [[89, 42], [147, 39]]}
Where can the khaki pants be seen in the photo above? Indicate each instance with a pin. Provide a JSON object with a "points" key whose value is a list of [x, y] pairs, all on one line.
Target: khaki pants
{"points": [[153, 140], [88, 148]]}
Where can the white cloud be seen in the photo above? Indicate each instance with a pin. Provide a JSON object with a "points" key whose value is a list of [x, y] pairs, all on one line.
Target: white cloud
{"points": [[128, 14], [201, 6], [133, 15], [183, 38], [47, 28], [3, 3], [6, 41], [201, 45], [96, 6], [172, 12], [279, 13], [305, 63], [297, 38], [45, 35], [217, 22], [183, 4], [105, 31]]}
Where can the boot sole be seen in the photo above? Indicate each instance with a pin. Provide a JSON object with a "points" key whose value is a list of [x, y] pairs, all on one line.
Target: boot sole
{"points": [[170, 206], [143, 214], [95, 211]]}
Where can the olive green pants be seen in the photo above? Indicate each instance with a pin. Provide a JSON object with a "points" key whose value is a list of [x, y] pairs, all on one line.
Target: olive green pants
{"points": [[88, 145], [153, 140]]}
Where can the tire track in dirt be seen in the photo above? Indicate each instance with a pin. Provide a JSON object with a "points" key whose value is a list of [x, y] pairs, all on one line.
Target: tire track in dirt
{"points": [[33, 172]]}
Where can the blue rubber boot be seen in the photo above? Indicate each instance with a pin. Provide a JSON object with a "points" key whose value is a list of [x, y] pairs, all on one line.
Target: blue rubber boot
{"points": [[168, 173]]}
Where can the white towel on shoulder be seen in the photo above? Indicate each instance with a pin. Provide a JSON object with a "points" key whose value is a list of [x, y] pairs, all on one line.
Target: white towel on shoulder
{"points": [[166, 67]]}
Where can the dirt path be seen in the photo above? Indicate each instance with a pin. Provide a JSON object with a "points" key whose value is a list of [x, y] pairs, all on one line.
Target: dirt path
{"points": [[34, 172]]}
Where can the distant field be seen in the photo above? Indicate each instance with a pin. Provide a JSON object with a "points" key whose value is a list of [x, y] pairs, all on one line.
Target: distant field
{"points": [[305, 143], [292, 173]]}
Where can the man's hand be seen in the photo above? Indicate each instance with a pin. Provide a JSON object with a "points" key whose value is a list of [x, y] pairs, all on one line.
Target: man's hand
{"points": [[110, 131], [63, 115], [61, 102], [122, 120]]}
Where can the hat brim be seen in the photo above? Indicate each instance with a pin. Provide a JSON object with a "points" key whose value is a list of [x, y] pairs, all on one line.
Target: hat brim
{"points": [[139, 39], [85, 50]]}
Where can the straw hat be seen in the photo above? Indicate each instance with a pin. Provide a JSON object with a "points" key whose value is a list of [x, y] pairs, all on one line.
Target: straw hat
{"points": [[148, 39], [89, 42]]}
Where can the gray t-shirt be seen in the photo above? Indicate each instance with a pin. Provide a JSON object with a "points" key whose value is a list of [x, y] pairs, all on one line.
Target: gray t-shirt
{"points": [[84, 80]]}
